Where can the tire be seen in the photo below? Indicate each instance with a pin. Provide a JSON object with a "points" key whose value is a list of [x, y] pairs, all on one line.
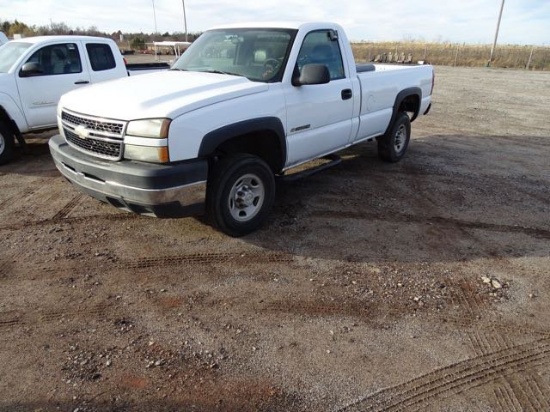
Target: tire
{"points": [[7, 141], [393, 145], [240, 194]]}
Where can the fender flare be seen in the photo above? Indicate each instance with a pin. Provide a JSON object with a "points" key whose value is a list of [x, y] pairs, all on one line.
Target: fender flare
{"points": [[12, 113], [212, 140], [401, 96]]}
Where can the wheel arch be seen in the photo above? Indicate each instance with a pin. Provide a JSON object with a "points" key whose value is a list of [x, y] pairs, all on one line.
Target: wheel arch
{"points": [[7, 120], [263, 137], [407, 100]]}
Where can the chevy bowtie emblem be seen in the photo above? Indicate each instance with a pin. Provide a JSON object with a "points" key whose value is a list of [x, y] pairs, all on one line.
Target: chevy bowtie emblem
{"points": [[82, 132]]}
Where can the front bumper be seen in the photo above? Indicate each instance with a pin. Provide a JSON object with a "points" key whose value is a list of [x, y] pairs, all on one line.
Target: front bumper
{"points": [[162, 190]]}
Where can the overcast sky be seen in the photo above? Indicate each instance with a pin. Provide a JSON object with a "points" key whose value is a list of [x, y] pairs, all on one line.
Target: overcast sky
{"points": [[470, 21]]}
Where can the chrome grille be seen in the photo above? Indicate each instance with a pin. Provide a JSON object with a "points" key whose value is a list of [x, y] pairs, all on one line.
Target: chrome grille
{"points": [[98, 136], [103, 149]]}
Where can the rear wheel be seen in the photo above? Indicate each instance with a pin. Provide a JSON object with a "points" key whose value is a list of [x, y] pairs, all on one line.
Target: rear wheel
{"points": [[7, 141], [241, 192], [393, 145]]}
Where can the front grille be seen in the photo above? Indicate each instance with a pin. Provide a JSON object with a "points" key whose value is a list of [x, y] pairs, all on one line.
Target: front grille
{"points": [[98, 136], [102, 125], [103, 149]]}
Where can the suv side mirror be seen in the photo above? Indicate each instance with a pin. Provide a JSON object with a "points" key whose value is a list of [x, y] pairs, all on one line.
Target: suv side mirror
{"points": [[31, 69], [311, 74]]}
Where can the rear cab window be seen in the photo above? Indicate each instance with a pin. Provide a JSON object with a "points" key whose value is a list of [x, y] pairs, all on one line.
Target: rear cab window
{"points": [[101, 56]]}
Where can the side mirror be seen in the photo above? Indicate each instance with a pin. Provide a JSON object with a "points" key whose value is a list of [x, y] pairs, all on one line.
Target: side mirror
{"points": [[311, 74], [31, 69]]}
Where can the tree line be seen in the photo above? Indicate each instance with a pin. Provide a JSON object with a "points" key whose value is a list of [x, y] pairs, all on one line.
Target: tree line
{"points": [[134, 40]]}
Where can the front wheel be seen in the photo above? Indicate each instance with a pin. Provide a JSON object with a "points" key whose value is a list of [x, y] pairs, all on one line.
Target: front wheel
{"points": [[393, 145], [7, 142], [241, 192]]}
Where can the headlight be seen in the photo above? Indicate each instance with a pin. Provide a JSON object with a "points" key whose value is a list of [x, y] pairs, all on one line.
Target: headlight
{"points": [[155, 128], [157, 154], [138, 144]]}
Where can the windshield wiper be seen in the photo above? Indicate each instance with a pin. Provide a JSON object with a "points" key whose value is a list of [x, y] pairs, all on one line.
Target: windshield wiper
{"points": [[222, 72]]}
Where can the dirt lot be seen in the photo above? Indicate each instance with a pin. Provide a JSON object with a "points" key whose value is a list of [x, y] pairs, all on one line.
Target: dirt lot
{"points": [[417, 286]]}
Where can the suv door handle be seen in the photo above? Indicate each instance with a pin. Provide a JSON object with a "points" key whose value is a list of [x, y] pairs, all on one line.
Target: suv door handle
{"points": [[347, 94], [82, 82]]}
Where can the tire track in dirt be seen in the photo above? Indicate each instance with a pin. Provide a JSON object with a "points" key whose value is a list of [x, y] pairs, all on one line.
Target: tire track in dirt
{"points": [[538, 197], [239, 258], [466, 297], [11, 319], [428, 170], [65, 210], [506, 398], [436, 220], [487, 341], [18, 197], [524, 392], [61, 267], [443, 383], [45, 222], [530, 392], [7, 265]]}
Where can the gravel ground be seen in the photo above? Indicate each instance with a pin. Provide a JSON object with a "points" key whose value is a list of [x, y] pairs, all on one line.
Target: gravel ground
{"points": [[416, 286]]}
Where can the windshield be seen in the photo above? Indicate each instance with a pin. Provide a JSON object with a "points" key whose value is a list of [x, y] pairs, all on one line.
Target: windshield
{"points": [[257, 54], [10, 52]]}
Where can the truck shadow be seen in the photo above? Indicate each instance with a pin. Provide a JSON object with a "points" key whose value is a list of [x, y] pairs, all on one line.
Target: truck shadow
{"points": [[453, 198], [34, 159]]}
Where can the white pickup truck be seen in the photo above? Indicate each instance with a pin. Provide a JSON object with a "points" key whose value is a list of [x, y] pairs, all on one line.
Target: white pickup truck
{"points": [[241, 107], [36, 71]]}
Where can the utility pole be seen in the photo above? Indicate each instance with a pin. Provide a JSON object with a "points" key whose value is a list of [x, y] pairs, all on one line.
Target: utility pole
{"points": [[530, 58], [184, 19], [156, 31], [496, 35], [155, 16]]}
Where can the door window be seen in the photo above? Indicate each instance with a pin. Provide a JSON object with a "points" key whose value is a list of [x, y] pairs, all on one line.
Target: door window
{"points": [[57, 59], [322, 47]]}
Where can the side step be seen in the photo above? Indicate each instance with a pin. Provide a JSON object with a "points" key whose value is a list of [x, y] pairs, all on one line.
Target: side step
{"points": [[332, 160]]}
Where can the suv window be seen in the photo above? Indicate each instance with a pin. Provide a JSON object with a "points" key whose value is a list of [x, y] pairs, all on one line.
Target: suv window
{"points": [[57, 59], [101, 56]]}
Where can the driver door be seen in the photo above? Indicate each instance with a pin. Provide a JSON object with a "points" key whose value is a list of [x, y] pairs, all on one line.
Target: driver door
{"points": [[60, 70], [319, 116]]}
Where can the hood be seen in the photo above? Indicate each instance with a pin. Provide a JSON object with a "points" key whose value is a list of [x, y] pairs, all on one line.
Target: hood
{"points": [[164, 94]]}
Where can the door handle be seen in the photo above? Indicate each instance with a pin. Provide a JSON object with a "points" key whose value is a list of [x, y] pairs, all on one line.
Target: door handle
{"points": [[82, 82], [347, 94]]}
